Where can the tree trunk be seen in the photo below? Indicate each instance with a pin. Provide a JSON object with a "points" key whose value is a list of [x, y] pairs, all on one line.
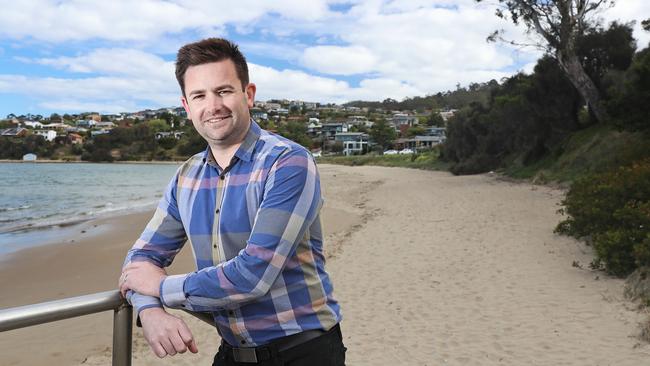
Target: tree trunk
{"points": [[583, 83]]}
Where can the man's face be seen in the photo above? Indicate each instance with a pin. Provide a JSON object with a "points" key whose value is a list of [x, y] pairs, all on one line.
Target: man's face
{"points": [[215, 102]]}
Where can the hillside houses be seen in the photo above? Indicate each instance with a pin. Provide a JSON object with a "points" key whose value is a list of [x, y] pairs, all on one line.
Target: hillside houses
{"points": [[330, 128]]}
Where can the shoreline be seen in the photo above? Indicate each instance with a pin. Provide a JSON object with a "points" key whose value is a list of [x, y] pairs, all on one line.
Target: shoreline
{"points": [[41, 234]]}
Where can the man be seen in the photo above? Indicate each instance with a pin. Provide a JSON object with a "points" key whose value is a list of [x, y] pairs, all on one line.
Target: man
{"points": [[249, 207]]}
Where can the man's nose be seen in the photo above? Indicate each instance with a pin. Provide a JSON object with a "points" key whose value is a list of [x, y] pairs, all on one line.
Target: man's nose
{"points": [[216, 101]]}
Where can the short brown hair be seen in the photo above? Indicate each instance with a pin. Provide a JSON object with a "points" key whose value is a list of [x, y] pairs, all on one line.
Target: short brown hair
{"points": [[210, 50]]}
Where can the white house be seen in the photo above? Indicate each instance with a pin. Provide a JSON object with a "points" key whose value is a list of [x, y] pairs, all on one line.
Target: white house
{"points": [[400, 119], [107, 125], [49, 135], [87, 123], [29, 157], [55, 126], [33, 124], [353, 142]]}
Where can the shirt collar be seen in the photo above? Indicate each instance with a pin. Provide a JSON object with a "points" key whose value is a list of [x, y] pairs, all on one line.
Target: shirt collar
{"points": [[247, 147], [245, 150]]}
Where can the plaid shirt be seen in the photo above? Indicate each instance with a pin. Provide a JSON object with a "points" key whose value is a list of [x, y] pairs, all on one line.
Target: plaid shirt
{"points": [[255, 231]]}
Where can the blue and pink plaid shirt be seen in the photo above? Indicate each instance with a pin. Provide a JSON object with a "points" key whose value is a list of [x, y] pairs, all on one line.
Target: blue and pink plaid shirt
{"points": [[255, 231]]}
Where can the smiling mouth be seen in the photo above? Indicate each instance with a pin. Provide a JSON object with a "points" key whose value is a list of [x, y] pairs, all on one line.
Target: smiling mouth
{"points": [[216, 119]]}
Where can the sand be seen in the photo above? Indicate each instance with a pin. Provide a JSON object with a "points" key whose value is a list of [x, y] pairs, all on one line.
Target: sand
{"points": [[430, 269]]}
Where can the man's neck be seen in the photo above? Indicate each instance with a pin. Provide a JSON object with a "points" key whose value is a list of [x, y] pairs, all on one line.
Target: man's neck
{"points": [[223, 154]]}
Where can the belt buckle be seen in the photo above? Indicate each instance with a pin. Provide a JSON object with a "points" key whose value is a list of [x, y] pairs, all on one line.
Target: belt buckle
{"points": [[246, 355]]}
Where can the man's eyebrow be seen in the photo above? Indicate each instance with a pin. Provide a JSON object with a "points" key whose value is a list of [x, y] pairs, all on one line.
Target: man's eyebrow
{"points": [[197, 91], [223, 86]]}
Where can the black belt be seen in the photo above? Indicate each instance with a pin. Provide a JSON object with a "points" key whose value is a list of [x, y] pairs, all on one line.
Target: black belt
{"points": [[267, 351]]}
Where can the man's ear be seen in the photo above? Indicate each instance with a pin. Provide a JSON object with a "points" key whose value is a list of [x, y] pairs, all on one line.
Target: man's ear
{"points": [[186, 106], [250, 94]]}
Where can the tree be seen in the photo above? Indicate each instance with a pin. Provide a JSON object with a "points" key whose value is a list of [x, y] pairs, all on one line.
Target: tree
{"points": [[435, 119], [297, 132], [559, 23], [629, 107], [158, 125], [646, 24], [415, 131], [54, 117], [383, 134], [603, 50]]}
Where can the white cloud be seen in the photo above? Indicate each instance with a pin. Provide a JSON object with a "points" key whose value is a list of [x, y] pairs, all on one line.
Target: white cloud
{"points": [[96, 91], [339, 60], [142, 20], [114, 61], [424, 46], [115, 106], [272, 83]]}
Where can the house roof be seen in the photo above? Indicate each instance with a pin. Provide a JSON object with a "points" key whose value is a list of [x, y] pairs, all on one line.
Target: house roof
{"points": [[14, 131]]}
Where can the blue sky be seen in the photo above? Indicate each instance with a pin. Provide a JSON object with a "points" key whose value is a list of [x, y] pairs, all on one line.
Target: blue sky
{"points": [[117, 56]]}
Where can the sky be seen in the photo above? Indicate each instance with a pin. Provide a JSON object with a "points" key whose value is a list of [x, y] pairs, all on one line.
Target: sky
{"points": [[72, 56]]}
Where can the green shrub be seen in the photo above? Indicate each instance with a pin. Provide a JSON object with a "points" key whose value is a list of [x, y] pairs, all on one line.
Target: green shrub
{"points": [[612, 210]]}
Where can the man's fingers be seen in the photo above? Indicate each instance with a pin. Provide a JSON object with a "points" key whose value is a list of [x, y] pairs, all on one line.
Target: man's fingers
{"points": [[185, 333], [123, 290], [187, 338], [178, 343], [168, 346], [158, 349], [192, 347]]}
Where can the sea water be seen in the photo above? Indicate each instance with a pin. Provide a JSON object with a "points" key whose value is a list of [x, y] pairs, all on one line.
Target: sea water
{"points": [[41, 195]]}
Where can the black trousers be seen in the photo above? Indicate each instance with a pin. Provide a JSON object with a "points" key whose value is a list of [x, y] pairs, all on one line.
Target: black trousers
{"points": [[325, 350]]}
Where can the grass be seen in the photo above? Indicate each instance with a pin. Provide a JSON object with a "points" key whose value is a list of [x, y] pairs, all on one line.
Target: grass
{"points": [[592, 150], [425, 160]]}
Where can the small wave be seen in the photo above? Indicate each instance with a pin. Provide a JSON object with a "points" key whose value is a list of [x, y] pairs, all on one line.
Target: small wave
{"points": [[23, 207]]}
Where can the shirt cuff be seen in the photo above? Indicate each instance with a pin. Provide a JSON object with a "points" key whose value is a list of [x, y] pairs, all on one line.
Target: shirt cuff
{"points": [[171, 291], [140, 302]]}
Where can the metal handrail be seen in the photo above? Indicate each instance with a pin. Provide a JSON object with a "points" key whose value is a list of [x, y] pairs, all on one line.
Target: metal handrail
{"points": [[28, 315]]}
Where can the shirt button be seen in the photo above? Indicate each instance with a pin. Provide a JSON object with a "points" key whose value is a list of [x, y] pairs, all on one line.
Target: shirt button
{"points": [[231, 312], [214, 245], [243, 341], [222, 177], [217, 211]]}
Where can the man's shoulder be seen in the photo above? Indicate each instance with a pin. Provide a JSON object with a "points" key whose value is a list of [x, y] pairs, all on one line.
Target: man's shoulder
{"points": [[194, 161], [277, 145]]}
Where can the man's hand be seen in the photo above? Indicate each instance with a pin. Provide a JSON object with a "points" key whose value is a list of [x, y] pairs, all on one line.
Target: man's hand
{"points": [[166, 334], [143, 278]]}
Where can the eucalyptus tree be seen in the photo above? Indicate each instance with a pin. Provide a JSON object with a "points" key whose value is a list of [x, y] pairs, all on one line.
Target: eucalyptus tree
{"points": [[555, 27]]}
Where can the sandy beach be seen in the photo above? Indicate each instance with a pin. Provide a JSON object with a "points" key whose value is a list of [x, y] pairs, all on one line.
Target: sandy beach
{"points": [[430, 269]]}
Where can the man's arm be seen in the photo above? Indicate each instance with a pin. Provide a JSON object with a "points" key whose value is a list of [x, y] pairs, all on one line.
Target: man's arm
{"points": [[291, 202], [161, 240]]}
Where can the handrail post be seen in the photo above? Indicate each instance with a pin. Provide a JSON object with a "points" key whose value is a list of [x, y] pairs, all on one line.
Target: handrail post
{"points": [[122, 335]]}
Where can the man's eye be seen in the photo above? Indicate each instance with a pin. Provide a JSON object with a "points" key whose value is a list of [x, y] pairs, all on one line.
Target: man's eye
{"points": [[198, 96], [224, 92]]}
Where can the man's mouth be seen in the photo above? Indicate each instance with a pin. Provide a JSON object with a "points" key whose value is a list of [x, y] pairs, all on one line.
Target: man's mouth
{"points": [[216, 119]]}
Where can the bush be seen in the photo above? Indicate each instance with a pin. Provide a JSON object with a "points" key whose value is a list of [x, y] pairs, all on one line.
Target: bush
{"points": [[612, 210], [629, 107], [167, 142]]}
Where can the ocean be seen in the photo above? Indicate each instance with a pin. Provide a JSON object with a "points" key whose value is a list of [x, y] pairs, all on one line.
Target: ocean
{"points": [[40, 195]]}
